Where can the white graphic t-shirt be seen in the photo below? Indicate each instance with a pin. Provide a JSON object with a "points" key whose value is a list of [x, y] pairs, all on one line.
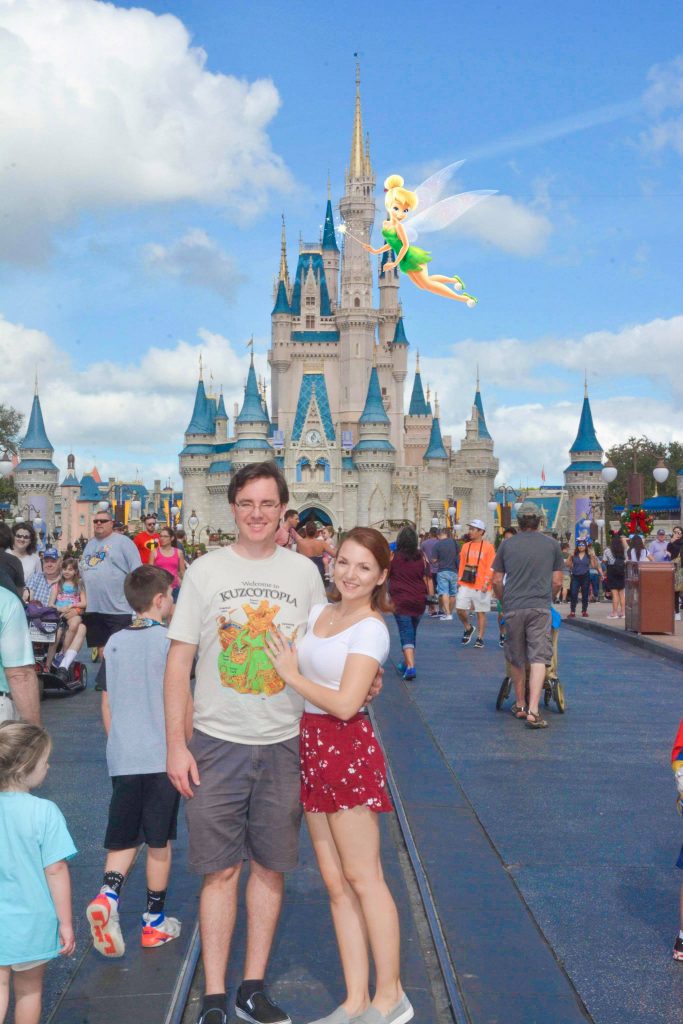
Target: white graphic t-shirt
{"points": [[227, 604]]}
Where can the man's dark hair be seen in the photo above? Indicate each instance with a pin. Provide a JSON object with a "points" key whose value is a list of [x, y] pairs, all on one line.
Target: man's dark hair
{"points": [[433, 532], [310, 528], [258, 471], [528, 522], [5, 537], [143, 584], [290, 513]]}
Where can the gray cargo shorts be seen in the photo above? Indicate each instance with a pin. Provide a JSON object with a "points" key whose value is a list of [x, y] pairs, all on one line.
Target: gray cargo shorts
{"points": [[247, 805], [528, 637]]}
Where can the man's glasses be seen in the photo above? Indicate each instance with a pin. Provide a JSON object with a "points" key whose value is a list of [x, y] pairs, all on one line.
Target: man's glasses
{"points": [[101, 522], [267, 507]]}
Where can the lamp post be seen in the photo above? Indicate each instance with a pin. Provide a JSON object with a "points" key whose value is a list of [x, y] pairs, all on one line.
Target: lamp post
{"points": [[6, 467], [193, 523], [175, 515], [636, 486], [505, 506]]}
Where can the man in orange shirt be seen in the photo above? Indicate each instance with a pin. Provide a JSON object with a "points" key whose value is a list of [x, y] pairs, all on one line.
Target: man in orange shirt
{"points": [[475, 576], [147, 539]]}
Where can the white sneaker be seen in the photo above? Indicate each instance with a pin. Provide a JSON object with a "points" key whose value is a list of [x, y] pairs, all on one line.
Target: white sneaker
{"points": [[446, 618], [158, 929], [611, 616], [103, 918], [677, 616]]}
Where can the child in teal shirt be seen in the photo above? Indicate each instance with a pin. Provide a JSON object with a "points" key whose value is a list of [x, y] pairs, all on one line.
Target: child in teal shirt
{"points": [[35, 887]]}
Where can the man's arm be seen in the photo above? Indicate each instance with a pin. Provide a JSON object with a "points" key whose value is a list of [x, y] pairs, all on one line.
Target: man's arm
{"points": [[23, 684], [180, 764], [557, 583], [498, 584]]}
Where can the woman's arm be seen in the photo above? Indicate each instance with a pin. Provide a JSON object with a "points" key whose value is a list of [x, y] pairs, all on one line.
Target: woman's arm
{"points": [[359, 673], [152, 556], [59, 883], [106, 712], [375, 252], [181, 565]]}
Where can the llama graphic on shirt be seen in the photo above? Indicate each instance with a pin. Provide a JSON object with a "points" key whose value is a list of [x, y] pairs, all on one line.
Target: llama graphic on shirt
{"points": [[243, 663]]}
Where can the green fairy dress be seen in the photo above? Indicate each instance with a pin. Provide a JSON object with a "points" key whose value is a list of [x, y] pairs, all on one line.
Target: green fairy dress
{"points": [[413, 259]]}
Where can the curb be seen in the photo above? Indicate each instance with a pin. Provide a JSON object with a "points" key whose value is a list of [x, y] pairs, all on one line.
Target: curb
{"points": [[633, 639]]}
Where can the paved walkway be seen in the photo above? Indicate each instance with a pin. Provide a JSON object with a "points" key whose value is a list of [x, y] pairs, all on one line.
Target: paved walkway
{"points": [[598, 614], [581, 816]]}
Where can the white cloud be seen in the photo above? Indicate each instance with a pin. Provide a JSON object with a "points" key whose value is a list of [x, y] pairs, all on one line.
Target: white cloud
{"points": [[121, 416], [508, 225], [195, 259], [103, 106], [525, 386], [665, 94]]}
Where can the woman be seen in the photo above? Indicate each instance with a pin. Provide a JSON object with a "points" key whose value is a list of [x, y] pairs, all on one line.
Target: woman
{"points": [[410, 581], [313, 546], [675, 549], [168, 556], [24, 548], [616, 575], [343, 774], [579, 565], [637, 551]]}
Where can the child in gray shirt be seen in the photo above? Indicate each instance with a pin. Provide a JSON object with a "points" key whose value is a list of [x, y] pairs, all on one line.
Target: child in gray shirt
{"points": [[144, 804]]}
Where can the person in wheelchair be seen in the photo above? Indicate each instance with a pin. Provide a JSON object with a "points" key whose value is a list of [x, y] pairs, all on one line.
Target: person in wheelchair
{"points": [[67, 596]]}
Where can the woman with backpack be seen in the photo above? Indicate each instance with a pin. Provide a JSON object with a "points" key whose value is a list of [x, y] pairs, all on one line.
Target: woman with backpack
{"points": [[615, 564]]}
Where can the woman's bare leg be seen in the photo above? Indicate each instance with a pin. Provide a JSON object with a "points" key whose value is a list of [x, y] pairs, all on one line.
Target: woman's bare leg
{"points": [[432, 284], [356, 837], [347, 916]]}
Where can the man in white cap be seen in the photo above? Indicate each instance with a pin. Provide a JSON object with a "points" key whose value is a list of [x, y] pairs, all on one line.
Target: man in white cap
{"points": [[475, 576]]}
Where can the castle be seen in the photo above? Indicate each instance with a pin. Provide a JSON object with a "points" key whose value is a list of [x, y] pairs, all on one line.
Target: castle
{"points": [[337, 426]]}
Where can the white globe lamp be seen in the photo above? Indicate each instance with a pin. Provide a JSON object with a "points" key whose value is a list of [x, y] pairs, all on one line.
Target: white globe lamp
{"points": [[660, 472], [609, 473]]}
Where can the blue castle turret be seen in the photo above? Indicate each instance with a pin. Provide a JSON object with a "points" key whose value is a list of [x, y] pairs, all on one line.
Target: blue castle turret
{"points": [[583, 476], [36, 476]]}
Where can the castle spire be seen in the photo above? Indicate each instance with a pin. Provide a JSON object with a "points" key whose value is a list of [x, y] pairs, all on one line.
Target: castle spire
{"points": [[357, 163], [374, 411], [329, 238], [435, 448], [36, 436], [482, 429], [418, 406], [284, 271], [586, 439], [252, 407]]}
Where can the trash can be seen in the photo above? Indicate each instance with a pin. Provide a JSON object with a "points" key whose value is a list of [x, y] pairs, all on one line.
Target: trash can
{"points": [[649, 597]]}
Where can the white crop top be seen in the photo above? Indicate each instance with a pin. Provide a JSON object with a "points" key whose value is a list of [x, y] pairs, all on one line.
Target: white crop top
{"points": [[322, 659]]}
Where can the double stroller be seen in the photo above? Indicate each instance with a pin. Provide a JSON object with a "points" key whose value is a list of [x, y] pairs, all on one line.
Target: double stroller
{"points": [[47, 629]]}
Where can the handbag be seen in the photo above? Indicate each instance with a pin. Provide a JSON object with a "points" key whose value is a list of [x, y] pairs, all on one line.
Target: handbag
{"points": [[678, 575], [469, 573]]}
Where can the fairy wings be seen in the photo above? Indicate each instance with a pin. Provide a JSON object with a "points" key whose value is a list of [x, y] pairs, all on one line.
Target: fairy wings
{"points": [[436, 213]]}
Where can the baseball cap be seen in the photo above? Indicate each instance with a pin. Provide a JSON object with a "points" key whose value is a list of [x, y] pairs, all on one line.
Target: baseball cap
{"points": [[477, 524], [50, 553], [528, 508]]}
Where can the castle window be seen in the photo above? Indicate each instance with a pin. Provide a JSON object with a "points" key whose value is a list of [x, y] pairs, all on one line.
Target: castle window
{"points": [[356, 302], [310, 300], [310, 323], [384, 391]]}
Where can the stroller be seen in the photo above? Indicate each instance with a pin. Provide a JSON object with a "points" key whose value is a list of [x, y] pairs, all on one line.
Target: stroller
{"points": [[47, 628], [552, 687]]}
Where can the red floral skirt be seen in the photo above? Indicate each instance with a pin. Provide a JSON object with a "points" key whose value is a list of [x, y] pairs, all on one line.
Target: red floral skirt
{"points": [[342, 765]]}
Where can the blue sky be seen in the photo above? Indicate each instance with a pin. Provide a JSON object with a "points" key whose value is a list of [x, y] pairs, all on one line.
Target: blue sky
{"points": [[143, 184]]}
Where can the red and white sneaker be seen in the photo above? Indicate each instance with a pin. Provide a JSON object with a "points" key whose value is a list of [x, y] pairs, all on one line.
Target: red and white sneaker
{"points": [[158, 929], [103, 917]]}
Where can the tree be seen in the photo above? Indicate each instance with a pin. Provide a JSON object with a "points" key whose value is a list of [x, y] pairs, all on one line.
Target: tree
{"points": [[646, 454], [10, 423]]}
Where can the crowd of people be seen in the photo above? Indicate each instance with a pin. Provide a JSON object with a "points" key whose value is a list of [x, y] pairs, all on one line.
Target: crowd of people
{"points": [[239, 682]]}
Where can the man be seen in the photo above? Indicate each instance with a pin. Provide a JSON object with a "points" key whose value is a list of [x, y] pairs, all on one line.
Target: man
{"points": [[40, 583], [659, 548], [240, 772], [148, 539], [106, 561], [527, 575], [119, 527], [19, 696], [474, 578], [287, 536], [446, 558]]}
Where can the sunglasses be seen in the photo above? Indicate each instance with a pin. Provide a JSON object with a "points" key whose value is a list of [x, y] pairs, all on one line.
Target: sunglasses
{"points": [[101, 522], [22, 536]]}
